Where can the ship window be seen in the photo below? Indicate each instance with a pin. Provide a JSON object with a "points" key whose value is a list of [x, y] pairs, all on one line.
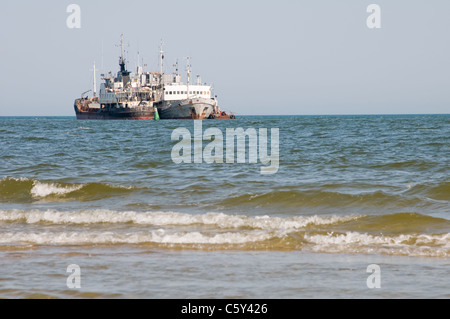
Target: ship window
{"points": [[178, 92]]}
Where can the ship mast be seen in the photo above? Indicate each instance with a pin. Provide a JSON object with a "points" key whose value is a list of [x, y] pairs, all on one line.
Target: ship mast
{"points": [[95, 82], [161, 57], [122, 57], [176, 69], [188, 70]]}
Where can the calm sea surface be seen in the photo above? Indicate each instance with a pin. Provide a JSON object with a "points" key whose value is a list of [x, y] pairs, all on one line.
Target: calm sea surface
{"points": [[350, 191]]}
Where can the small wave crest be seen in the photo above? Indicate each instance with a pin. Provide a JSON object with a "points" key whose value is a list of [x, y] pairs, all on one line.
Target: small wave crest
{"points": [[40, 190], [28, 190], [319, 198], [440, 191]]}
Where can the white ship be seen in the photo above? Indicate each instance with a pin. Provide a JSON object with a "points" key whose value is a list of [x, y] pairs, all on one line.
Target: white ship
{"points": [[185, 100]]}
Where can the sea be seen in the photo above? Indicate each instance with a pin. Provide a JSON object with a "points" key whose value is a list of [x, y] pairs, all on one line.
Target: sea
{"points": [[354, 207]]}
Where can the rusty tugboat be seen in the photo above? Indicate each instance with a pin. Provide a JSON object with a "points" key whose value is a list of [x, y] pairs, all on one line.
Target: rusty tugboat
{"points": [[120, 98], [148, 96]]}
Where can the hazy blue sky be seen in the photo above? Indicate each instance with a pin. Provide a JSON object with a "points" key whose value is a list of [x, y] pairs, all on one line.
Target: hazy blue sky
{"points": [[263, 57]]}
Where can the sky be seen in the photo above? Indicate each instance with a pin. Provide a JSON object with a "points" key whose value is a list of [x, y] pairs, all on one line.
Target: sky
{"points": [[284, 57]]}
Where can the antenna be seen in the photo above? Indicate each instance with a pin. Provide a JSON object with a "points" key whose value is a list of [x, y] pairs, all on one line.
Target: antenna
{"points": [[188, 71], [122, 57], [138, 55], [138, 61], [102, 55], [94, 81], [176, 67], [140, 67], [161, 57]]}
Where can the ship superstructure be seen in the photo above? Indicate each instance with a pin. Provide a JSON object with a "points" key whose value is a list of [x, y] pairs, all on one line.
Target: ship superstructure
{"points": [[121, 97], [142, 94], [185, 100]]}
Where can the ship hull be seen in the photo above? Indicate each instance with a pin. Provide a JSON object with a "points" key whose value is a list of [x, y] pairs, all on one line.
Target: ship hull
{"points": [[222, 116], [83, 111], [115, 116], [197, 108]]}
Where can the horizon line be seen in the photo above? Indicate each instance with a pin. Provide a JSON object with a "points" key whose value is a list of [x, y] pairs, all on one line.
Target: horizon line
{"points": [[330, 114]]}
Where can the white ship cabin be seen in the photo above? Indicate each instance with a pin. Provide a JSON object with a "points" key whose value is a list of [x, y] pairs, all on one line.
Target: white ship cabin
{"points": [[182, 92], [174, 89]]}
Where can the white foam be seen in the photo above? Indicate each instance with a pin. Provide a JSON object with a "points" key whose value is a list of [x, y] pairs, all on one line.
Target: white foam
{"points": [[157, 237], [16, 179], [40, 189], [219, 220], [351, 242], [172, 228], [437, 245]]}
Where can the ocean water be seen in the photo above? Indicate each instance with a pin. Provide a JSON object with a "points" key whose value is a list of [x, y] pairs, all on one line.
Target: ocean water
{"points": [[350, 192]]}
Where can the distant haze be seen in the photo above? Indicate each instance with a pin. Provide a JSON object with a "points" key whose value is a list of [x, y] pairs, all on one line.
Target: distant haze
{"points": [[262, 57]]}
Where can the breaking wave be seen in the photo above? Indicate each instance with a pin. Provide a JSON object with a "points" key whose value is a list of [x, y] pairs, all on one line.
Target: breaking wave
{"points": [[22, 190], [436, 245], [219, 220], [409, 234], [152, 237], [40, 190]]}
